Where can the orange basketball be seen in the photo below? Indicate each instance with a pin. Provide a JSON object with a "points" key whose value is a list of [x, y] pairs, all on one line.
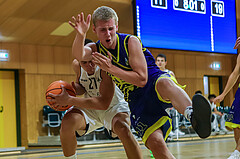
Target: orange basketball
{"points": [[55, 88]]}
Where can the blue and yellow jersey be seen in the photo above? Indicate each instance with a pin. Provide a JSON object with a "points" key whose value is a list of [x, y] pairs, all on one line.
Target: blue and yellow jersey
{"points": [[146, 105], [120, 59]]}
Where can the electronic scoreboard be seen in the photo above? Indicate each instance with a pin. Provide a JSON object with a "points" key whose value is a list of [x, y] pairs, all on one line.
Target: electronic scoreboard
{"points": [[196, 25]]}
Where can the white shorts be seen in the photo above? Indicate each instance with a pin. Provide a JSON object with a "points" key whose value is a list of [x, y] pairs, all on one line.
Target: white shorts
{"points": [[98, 118]]}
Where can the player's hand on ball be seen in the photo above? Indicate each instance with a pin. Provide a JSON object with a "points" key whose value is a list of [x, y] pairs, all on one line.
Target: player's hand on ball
{"points": [[61, 99]]}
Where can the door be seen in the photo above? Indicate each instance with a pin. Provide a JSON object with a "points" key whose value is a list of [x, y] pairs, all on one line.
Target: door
{"points": [[213, 85], [8, 128]]}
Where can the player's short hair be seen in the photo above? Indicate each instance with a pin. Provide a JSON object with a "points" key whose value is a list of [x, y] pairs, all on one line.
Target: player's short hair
{"points": [[87, 41], [198, 92], [104, 13], [162, 55], [211, 96]]}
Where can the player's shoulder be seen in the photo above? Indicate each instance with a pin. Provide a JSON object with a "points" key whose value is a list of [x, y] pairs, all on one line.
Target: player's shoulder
{"points": [[92, 45], [134, 40], [76, 66]]}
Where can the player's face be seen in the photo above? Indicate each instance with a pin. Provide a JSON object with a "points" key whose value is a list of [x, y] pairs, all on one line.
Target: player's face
{"points": [[161, 63], [88, 66], [106, 32], [211, 99]]}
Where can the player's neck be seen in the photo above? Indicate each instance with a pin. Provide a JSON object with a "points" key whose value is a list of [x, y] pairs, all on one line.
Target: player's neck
{"points": [[162, 69]]}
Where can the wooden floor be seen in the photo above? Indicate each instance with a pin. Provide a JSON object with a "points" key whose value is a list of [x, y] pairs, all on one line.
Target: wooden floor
{"points": [[200, 149]]}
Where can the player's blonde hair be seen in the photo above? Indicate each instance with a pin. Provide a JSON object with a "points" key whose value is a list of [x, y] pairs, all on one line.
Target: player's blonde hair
{"points": [[104, 13]]}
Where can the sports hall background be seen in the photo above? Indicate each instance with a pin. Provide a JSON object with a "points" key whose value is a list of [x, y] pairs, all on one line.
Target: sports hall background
{"points": [[37, 58]]}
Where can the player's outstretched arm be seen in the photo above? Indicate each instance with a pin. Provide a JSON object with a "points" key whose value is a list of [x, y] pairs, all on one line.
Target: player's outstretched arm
{"points": [[232, 78], [138, 76], [101, 102], [81, 26]]}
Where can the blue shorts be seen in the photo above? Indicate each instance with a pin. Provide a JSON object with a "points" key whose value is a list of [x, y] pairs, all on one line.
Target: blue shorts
{"points": [[233, 117], [148, 109]]}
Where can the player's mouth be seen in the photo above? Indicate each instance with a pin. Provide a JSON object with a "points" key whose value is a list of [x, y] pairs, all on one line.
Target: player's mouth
{"points": [[108, 40]]}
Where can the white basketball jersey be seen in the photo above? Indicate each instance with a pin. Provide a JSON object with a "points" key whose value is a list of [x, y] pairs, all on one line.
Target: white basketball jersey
{"points": [[91, 83], [168, 71]]}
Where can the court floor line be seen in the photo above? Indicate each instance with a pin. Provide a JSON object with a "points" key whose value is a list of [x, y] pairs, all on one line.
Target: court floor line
{"points": [[175, 144]]}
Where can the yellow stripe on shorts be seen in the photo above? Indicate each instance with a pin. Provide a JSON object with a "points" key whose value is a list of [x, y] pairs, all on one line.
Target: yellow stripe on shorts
{"points": [[156, 126], [173, 79], [232, 125]]}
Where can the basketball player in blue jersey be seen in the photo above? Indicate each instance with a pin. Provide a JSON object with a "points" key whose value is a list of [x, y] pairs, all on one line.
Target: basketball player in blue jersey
{"points": [[233, 119], [103, 104], [147, 89]]}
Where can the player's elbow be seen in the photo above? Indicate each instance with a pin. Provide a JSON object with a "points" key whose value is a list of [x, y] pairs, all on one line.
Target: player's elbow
{"points": [[142, 81], [104, 105]]}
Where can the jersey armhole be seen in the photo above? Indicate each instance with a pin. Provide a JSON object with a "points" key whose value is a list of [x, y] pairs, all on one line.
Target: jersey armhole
{"points": [[127, 42], [101, 74], [97, 45]]}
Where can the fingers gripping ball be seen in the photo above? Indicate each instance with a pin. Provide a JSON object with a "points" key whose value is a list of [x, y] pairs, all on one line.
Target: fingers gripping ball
{"points": [[55, 88]]}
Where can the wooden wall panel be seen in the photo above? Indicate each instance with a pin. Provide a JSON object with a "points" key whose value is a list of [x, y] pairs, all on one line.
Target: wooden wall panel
{"points": [[190, 66], [14, 56], [190, 86], [32, 101], [45, 59], [226, 67], [170, 62], [179, 66], [62, 60], [28, 58], [199, 85], [208, 61], [200, 66]]}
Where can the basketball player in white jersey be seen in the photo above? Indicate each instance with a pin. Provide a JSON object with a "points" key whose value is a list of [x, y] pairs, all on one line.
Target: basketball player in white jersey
{"points": [[103, 105]]}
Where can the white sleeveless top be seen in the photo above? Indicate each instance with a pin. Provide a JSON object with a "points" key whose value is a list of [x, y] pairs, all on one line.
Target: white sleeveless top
{"points": [[91, 83], [168, 71]]}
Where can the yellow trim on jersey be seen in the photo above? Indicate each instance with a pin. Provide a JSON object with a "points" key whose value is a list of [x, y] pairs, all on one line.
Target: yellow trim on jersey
{"points": [[239, 85], [125, 87], [232, 125], [156, 126], [117, 58], [125, 46], [143, 48], [118, 50], [104, 50], [173, 79]]}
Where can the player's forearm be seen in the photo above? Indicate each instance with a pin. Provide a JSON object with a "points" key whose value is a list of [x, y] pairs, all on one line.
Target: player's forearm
{"points": [[137, 79], [230, 83], [78, 47], [79, 89], [89, 103]]}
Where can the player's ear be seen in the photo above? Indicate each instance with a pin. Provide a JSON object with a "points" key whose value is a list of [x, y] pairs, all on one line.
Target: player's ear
{"points": [[117, 27], [94, 29]]}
